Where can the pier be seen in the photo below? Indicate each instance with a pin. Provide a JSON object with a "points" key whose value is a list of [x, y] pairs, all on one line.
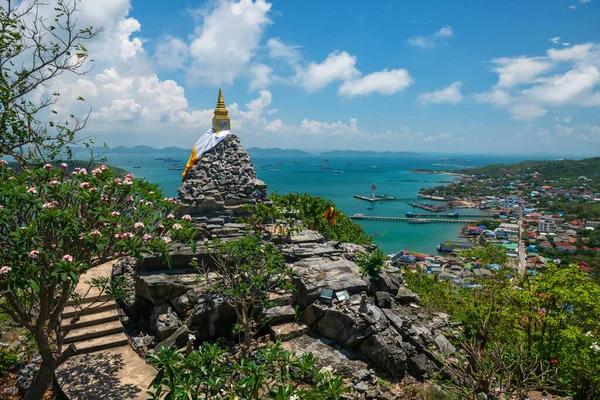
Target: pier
{"points": [[427, 215], [375, 198], [400, 219]]}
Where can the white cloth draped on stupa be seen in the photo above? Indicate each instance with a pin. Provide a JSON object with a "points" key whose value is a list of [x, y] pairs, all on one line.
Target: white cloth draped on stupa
{"points": [[206, 142]]}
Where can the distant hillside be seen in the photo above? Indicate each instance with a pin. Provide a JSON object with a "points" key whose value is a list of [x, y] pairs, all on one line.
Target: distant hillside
{"points": [[256, 151], [555, 169], [120, 172], [354, 153], [144, 150]]}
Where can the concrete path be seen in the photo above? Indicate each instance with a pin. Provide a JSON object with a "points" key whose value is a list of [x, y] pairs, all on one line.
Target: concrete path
{"points": [[105, 367]]}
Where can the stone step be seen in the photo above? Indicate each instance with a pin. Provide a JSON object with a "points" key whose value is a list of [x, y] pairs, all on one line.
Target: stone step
{"points": [[70, 311], [92, 297], [102, 343], [94, 331], [93, 319]]}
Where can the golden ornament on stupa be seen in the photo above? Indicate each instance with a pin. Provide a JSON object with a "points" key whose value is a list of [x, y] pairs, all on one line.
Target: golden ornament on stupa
{"points": [[221, 121]]}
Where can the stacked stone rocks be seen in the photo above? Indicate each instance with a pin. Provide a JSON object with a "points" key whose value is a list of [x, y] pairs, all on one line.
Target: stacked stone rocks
{"points": [[221, 183]]}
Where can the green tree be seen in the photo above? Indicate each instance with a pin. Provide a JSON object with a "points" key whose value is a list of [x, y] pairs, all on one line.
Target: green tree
{"points": [[54, 227], [33, 51], [245, 271]]}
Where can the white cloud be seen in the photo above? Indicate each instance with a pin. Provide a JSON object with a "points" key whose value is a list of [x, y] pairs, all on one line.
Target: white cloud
{"points": [[564, 130], [441, 136], [496, 96], [575, 53], [573, 87], [226, 41], [515, 71], [572, 7], [290, 54], [450, 94], [584, 1], [338, 66], [555, 40], [383, 82], [171, 53], [526, 111], [261, 76], [528, 86], [437, 38]]}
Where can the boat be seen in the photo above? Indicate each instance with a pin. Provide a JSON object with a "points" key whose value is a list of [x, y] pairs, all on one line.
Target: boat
{"points": [[373, 166], [169, 159], [338, 172], [324, 167], [370, 208], [419, 221], [324, 160], [176, 168], [129, 161], [348, 163], [137, 166], [158, 158], [429, 207]]}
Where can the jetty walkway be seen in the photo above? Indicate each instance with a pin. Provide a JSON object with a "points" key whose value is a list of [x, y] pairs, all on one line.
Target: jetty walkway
{"points": [[105, 366], [383, 198], [429, 215], [400, 219]]}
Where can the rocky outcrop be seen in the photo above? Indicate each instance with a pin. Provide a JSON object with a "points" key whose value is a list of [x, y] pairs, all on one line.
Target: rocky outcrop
{"points": [[316, 273], [399, 340], [358, 323], [221, 183]]}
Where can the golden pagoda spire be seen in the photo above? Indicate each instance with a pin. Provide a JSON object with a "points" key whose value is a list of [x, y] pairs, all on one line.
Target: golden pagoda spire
{"points": [[221, 121]]}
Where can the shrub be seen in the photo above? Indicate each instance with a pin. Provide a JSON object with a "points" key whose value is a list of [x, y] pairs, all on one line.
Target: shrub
{"points": [[309, 209], [371, 263], [268, 373]]}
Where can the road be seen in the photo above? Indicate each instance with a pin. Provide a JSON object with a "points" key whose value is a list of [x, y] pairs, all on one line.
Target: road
{"points": [[521, 247]]}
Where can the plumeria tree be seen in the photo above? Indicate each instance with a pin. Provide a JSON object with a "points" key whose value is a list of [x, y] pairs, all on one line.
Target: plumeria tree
{"points": [[56, 224]]}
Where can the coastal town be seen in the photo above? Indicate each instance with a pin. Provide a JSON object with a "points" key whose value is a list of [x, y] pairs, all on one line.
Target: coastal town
{"points": [[536, 217]]}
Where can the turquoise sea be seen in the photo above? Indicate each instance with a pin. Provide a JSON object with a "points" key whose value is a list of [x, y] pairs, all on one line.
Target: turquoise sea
{"points": [[302, 174]]}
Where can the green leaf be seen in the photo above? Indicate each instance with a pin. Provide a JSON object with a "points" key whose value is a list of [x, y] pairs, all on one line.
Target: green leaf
{"points": [[34, 285]]}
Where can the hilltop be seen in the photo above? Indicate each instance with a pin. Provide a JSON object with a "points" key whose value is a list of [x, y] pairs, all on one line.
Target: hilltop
{"points": [[552, 170]]}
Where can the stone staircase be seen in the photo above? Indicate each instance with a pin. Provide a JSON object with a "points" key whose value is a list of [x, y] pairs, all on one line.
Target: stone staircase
{"points": [[105, 366]]}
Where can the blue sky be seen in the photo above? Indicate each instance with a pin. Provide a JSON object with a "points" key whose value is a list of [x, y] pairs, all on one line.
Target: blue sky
{"points": [[460, 76]]}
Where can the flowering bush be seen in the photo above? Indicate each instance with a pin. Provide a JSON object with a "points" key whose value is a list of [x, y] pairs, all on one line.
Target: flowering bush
{"points": [[55, 225]]}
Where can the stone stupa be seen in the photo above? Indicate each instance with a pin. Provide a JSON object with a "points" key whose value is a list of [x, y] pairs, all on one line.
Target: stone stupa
{"points": [[222, 180]]}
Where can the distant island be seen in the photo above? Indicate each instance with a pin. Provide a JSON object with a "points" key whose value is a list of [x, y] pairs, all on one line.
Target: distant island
{"points": [[257, 151], [355, 153], [145, 150]]}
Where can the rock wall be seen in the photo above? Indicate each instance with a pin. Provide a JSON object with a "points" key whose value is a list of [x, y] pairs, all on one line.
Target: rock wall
{"points": [[221, 183]]}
